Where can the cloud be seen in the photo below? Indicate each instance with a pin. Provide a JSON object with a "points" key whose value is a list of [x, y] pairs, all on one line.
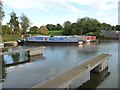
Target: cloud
{"points": [[41, 4], [107, 17], [61, 4], [102, 5]]}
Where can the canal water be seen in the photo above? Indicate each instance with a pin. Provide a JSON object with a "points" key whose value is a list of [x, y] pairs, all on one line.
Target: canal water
{"points": [[20, 71]]}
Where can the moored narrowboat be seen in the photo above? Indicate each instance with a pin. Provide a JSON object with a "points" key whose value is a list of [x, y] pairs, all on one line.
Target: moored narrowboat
{"points": [[60, 39]]}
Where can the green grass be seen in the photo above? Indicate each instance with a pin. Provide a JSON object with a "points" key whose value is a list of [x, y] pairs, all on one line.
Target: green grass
{"points": [[7, 38], [55, 32]]}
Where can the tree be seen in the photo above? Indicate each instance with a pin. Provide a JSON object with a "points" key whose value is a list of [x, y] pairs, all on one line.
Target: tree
{"points": [[67, 28], [2, 14], [59, 27], [87, 25], [43, 30], [117, 27], [79, 27], [14, 24], [105, 26], [6, 29], [74, 28], [25, 23], [51, 27], [34, 30], [113, 28]]}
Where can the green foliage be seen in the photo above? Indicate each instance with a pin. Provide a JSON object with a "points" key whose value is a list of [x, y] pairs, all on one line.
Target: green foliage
{"points": [[52, 27], [25, 23], [117, 27], [105, 26], [6, 29], [14, 24], [2, 14], [34, 30], [6, 38], [83, 26], [56, 32], [67, 28], [59, 27], [87, 25]]}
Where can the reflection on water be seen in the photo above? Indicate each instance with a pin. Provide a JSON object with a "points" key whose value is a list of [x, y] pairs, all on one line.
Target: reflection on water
{"points": [[89, 48], [16, 59], [4, 73], [24, 72]]}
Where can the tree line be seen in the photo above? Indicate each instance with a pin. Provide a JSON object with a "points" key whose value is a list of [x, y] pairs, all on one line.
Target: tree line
{"points": [[21, 27], [14, 26], [54, 27], [87, 26]]}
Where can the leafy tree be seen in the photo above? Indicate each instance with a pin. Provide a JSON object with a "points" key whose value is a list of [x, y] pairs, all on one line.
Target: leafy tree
{"points": [[87, 25], [43, 30], [74, 28], [105, 26], [25, 23], [79, 27], [34, 30], [113, 28], [59, 27], [14, 24], [117, 27], [6, 29], [67, 28], [51, 27], [2, 14]]}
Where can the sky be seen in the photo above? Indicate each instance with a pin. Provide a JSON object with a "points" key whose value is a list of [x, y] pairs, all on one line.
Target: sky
{"points": [[42, 12]]}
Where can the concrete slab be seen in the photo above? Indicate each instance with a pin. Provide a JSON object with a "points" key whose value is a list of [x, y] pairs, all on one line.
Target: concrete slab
{"points": [[67, 78]]}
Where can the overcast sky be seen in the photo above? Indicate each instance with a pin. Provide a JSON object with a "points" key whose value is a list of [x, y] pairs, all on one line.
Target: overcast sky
{"points": [[42, 12]]}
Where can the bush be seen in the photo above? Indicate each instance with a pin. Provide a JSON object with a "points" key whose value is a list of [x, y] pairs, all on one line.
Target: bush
{"points": [[43, 30]]}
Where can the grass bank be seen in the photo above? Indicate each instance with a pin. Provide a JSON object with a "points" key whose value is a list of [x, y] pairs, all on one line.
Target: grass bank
{"points": [[7, 38], [55, 32]]}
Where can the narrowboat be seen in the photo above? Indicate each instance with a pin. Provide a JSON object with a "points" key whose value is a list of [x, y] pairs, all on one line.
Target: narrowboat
{"points": [[60, 39]]}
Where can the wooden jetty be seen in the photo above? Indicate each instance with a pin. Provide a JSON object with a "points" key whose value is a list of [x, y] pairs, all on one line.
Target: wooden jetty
{"points": [[30, 51], [77, 75], [11, 43]]}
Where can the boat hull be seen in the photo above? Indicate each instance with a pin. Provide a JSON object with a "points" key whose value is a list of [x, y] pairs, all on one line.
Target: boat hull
{"points": [[51, 43], [59, 40]]}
